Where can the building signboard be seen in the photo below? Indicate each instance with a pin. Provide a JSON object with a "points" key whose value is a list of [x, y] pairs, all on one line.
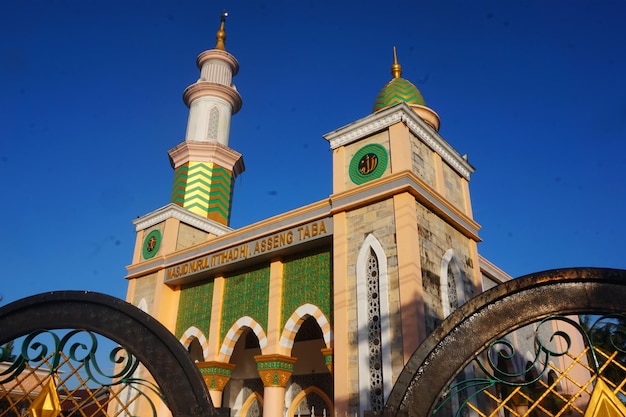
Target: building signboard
{"points": [[264, 245]]}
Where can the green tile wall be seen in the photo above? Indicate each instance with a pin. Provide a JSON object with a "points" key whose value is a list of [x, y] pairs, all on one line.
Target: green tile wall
{"points": [[307, 279], [246, 294], [194, 308]]}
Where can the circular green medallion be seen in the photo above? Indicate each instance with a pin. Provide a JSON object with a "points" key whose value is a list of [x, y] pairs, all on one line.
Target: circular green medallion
{"points": [[151, 244], [368, 163]]}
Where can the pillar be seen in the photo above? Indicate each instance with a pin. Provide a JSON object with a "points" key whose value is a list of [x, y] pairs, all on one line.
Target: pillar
{"points": [[275, 371], [216, 375]]}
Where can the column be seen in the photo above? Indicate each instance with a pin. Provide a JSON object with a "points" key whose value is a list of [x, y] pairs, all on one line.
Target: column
{"points": [[274, 370], [328, 358], [410, 274], [216, 375], [345, 382]]}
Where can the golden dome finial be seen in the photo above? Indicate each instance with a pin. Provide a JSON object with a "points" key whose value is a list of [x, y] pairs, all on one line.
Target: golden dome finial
{"points": [[221, 34], [396, 69]]}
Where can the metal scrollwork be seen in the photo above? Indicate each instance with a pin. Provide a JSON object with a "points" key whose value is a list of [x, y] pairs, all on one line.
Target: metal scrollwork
{"points": [[613, 328], [510, 375], [45, 349]]}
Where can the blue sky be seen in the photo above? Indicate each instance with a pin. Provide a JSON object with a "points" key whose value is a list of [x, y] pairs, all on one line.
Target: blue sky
{"points": [[533, 91]]}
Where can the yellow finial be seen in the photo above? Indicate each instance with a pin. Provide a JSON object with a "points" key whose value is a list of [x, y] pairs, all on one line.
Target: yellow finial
{"points": [[396, 69], [221, 34]]}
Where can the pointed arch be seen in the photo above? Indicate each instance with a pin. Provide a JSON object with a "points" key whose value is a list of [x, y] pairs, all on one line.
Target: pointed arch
{"points": [[529, 358], [554, 381], [195, 333], [451, 278], [143, 305], [372, 249], [233, 335], [306, 391], [297, 318], [243, 411]]}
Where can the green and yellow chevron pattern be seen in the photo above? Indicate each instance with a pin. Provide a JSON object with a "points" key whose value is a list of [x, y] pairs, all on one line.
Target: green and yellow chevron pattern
{"points": [[204, 188], [396, 91]]}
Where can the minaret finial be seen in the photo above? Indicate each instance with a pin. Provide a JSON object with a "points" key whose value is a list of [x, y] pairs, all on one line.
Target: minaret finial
{"points": [[221, 33], [396, 69]]}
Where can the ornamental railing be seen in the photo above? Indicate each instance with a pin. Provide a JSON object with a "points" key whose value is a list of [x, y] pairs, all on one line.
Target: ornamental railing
{"points": [[559, 366], [73, 373]]}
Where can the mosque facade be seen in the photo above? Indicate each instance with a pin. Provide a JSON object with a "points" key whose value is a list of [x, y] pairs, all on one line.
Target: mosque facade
{"points": [[316, 310]]}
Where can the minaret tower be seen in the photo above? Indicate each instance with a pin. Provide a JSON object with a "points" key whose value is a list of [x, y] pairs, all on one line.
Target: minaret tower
{"points": [[205, 167]]}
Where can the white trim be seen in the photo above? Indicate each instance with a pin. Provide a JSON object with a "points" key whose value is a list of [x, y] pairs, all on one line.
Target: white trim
{"points": [[143, 305], [185, 216], [195, 333], [295, 321], [362, 320], [234, 334], [400, 112], [491, 271]]}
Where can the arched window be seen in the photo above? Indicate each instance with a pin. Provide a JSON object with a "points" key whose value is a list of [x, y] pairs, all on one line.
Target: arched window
{"points": [[452, 297], [373, 325], [143, 305], [374, 334], [451, 284]]}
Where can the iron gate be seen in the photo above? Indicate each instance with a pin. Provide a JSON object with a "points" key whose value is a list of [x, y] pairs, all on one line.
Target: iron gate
{"points": [[51, 362], [470, 365], [474, 363]]}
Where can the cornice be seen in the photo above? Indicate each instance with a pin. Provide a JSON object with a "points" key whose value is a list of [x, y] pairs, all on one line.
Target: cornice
{"points": [[207, 88], [365, 126], [192, 151], [185, 216], [218, 54], [406, 181], [400, 112], [235, 237], [492, 271], [438, 144]]}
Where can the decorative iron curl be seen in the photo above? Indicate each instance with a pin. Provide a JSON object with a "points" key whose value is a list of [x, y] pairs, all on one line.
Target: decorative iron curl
{"points": [[45, 348], [614, 324], [546, 348]]}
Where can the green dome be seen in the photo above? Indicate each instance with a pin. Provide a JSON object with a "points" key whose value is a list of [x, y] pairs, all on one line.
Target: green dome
{"points": [[396, 91]]}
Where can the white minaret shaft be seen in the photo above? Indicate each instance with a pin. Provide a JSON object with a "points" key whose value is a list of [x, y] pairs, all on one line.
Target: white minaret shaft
{"points": [[205, 167], [213, 99]]}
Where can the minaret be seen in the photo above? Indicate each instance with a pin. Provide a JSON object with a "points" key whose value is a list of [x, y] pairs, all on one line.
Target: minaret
{"points": [[205, 167]]}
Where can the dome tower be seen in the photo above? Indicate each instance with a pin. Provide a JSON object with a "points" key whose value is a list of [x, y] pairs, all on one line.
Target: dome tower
{"points": [[402, 90]]}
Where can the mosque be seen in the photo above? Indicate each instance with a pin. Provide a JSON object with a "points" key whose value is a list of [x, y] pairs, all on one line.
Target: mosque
{"points": [[316, 310]]}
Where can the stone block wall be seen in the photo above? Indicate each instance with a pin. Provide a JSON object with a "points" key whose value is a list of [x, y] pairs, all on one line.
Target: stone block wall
{"points": [[189, 236], [145, 288], [376, 219], [422, 160], [435, 238], [453, 189]]}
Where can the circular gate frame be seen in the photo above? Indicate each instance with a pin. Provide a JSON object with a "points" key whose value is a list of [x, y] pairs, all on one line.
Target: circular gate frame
{"points": [[142, 335], [493, 314]]}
